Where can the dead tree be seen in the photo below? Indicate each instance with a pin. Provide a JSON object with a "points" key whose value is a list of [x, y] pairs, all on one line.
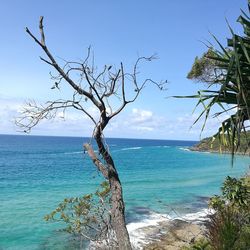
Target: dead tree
{"points": [[100, 89]]}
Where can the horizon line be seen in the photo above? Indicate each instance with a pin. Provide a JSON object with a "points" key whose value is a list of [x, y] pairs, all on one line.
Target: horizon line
{"points": [[129, 138]]}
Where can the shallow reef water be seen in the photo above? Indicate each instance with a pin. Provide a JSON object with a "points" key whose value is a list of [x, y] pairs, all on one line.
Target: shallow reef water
{"points": [[161, 180]]}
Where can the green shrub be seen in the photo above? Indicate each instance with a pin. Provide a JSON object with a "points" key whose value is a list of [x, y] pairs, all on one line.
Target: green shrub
{"points": [[224, 229], [229, 226], [201, 244], [87, 216]]}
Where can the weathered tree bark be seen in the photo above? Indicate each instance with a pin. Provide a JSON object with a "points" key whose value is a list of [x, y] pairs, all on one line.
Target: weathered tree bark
{"points": [[117, 203], [118, 214], [109, 171]]}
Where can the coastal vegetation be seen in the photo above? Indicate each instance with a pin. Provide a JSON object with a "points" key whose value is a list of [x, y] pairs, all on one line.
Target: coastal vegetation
{"points": [[227, 73], [229, 225], [109, 91], [86, 216], [212, 144]]}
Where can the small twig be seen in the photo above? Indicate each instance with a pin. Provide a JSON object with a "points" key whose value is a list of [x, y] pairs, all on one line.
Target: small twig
{"points": [[41, 31]]}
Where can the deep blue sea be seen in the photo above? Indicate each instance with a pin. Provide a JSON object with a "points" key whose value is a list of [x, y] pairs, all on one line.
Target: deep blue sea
{"points": [[36, 173]]}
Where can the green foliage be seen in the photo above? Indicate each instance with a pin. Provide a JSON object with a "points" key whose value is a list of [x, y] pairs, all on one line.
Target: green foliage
{"points": [[228, 73], [201, 244], [229, 227], [224, 229], [87, 216], [235, 193], [204, 69], [212, 144], [217, 203]]}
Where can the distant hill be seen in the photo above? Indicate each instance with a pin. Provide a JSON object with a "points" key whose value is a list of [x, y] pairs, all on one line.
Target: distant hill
{"points": [[208, 145]]}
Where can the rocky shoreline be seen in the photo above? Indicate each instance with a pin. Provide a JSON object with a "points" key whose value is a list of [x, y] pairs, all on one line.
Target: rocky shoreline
{"points": [[164, 232], [176, 234], [197, 149], [207, 145]]}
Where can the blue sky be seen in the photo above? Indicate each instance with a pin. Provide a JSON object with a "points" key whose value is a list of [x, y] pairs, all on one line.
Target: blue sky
{"points": [[117, 31]]}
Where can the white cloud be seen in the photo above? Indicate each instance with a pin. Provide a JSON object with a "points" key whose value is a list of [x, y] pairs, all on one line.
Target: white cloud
{"points": [[141, 116], [138, 123], [143, 128], [186, 125], [68, 123], [8, 111], [144, 120]]}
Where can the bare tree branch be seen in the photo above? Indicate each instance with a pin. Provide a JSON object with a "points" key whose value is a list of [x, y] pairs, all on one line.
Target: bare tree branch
{"points": [[57, 67], [102, 88], [33, 113], [41, 31]]}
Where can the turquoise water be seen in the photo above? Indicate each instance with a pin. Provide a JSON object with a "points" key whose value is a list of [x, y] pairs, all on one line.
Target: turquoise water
{"points": [[157, 175]]}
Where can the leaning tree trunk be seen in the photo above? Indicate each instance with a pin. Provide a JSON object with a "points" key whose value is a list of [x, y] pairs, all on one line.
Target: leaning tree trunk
{"points": [[117, 203], [118, 214], [99, 91]]}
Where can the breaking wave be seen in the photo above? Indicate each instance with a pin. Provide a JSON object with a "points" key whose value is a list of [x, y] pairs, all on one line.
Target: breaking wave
{"points": [[184, 149], [144, 231], [132, 148], [73, 153]]}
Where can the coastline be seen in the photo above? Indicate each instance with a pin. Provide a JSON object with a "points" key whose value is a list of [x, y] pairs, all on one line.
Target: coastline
{"points": [[197, 149], [160, 231], [214, 146], [177, 234]]}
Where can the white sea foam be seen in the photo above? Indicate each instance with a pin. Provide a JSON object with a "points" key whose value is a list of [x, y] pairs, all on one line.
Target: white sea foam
{"points": [[198, 216], [185, 149], [140, 236], [73, 153], [144, 231], [132, 148], [137, 232]]}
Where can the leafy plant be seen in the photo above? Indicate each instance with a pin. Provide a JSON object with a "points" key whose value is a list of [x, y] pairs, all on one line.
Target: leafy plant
{"points": [[235, 193], [229, 227], [227, 72], [86, 216], [201, 244], [224, 229]]}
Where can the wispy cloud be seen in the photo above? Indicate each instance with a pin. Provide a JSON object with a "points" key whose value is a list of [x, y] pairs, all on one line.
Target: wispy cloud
{"points": [[137, 122], [9, 108], [68, 123]]}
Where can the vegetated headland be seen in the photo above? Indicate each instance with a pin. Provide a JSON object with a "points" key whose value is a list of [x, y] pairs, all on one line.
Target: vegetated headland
{"points": [[213, 145]]}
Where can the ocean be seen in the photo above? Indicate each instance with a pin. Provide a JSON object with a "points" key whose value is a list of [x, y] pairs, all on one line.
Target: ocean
{"points": [[159, 178]]}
